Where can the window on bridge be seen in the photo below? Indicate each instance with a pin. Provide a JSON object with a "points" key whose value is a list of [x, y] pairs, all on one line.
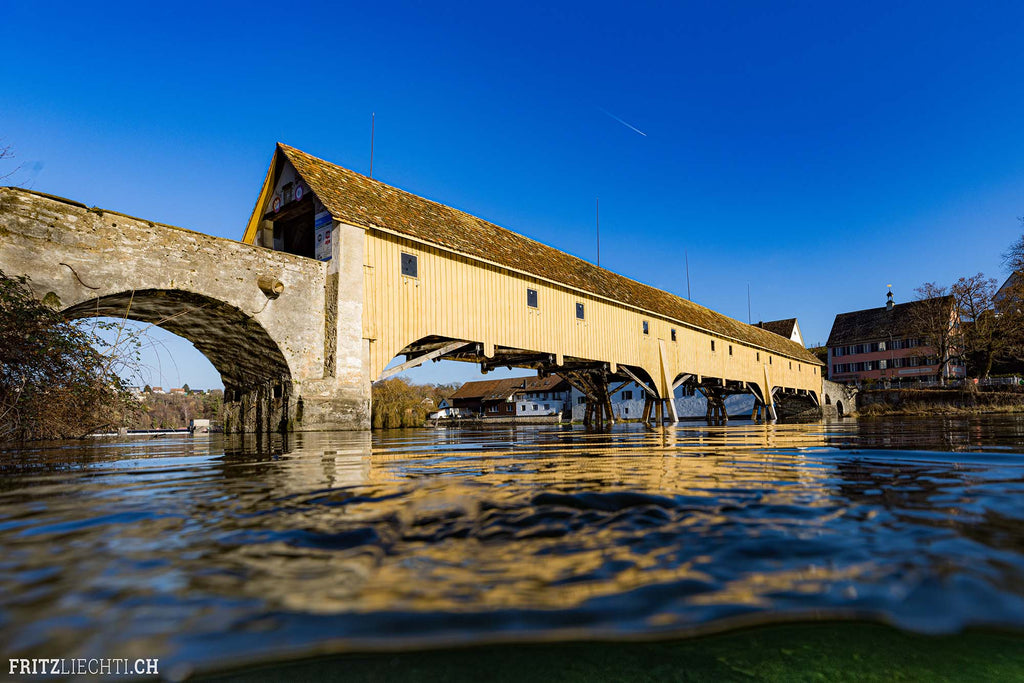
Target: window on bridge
{"points": [[531, 298], [712, 344], [730, 349], [759, 356], [647, 328], [673, 334], [579, 311], [409, 265]]}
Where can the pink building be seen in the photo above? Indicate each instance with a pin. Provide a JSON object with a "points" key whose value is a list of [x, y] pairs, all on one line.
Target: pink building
{"points": [[885, 344]]}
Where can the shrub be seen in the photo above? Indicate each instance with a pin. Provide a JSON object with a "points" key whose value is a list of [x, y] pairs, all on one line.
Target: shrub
{"points": [[57, 376]]}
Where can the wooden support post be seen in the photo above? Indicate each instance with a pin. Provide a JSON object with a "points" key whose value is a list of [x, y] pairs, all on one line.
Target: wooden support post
{"points": [[661, 408], [648, 404], [673, 414]]}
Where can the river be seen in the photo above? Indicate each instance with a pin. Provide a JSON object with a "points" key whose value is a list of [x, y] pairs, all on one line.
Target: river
{"points": [[214, 552]]}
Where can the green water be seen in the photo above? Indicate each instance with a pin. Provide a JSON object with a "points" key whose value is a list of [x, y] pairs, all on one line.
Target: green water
{"points": [[791, 652]]}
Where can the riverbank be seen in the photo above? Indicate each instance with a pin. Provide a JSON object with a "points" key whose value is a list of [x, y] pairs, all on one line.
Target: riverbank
{"points": [[938, 401]]}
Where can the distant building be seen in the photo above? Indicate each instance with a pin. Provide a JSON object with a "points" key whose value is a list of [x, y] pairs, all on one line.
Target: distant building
{"points": [[177, 391], [157, 390], [444, 410], [788, 328], [1010, 288], [518, 397], [885, 344], [627, 400]]}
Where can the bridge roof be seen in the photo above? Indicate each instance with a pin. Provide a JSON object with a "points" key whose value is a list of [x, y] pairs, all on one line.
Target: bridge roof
{"points": [[355, 199]]}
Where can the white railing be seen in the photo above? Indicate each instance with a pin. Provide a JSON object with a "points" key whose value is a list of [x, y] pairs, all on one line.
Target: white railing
{"points": [[999, 381]]}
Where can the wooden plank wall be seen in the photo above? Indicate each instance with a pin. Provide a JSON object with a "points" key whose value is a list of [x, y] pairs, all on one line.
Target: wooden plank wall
{"points": [[461, 298]]}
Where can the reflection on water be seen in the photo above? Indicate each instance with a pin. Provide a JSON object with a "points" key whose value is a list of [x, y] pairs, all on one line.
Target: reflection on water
{"points": [[195, 550]]}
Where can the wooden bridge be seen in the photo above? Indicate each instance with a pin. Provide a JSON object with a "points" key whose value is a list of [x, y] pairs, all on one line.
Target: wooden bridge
{"points": [[340, 274]]}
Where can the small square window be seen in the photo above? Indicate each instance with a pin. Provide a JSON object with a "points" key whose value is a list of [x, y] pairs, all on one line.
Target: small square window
{"points": [[769, 360], [531, 298], [647, 328], [790, 365], [409, 266], [759, 356], [712, 344], [730, 349], [579, 311], [673, 334]]}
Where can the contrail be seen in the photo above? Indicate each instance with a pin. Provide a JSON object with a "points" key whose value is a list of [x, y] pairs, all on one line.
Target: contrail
{"points": [[632, 128]]}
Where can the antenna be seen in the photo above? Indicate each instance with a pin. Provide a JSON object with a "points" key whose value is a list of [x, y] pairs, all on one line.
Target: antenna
{"points": [[748, 303], [597, 217], [373, 120], [686, 254]]}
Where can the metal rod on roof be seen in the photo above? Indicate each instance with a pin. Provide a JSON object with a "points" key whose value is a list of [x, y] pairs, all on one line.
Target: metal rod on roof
{"points": [[686, 253], [373, 120], [597, 216]]}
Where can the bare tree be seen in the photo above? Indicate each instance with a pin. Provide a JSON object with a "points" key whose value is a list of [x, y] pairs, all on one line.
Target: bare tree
{"points": [[1009, 304], [980, 326], [1013, 258], [7, 153], [936, 321]]}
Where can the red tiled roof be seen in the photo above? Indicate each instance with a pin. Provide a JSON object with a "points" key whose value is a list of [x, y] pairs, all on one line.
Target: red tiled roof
{"points": [[783, 328], [877, 324], [501, 389]]}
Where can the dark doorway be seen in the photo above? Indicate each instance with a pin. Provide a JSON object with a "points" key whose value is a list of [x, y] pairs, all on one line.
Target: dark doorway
{"points": [[293, 228]]}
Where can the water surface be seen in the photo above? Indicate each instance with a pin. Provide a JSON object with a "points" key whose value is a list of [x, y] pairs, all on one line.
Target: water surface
{"points": [[208, 552]]}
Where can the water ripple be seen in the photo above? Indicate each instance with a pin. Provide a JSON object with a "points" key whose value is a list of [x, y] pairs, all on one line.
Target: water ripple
{"points": [[196, 549]]}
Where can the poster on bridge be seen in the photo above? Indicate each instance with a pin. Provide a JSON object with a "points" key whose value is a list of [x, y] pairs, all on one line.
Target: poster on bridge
{"points": [[322, 229]]}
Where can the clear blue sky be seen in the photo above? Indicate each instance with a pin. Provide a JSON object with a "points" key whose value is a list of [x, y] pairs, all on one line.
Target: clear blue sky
{"points": [[816, 151]]}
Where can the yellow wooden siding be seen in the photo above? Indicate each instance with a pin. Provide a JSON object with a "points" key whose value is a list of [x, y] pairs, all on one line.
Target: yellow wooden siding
{"points": [[456, 297]]}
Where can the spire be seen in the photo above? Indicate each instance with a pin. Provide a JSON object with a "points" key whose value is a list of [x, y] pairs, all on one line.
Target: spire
{"points": [[888, 299]]}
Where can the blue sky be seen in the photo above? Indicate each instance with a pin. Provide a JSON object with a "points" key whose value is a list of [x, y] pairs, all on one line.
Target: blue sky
{"points": [[816, 151]]}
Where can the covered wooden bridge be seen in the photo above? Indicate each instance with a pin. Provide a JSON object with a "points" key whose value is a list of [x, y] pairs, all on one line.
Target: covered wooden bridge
{"points": [[410, 277]]}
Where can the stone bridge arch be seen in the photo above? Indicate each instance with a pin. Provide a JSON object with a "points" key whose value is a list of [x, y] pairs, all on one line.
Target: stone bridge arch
{"points": [[840, 400], [260, 316], [255, 372]]}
